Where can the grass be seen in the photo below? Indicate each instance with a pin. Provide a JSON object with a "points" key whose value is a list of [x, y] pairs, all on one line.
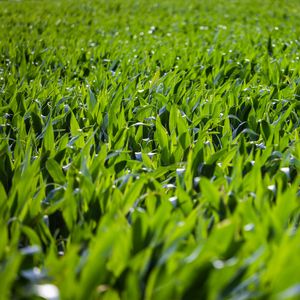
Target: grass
{"points": [[149, 150]]}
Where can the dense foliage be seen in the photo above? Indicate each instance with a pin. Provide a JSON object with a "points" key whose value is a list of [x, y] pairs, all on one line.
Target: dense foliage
{"points": [[149, 150]]}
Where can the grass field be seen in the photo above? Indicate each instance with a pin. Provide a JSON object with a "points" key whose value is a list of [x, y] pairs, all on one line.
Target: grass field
{"points": [[149, 150]]}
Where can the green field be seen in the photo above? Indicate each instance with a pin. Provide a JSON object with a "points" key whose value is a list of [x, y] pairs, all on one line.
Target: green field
{"points": [[149, 149]]}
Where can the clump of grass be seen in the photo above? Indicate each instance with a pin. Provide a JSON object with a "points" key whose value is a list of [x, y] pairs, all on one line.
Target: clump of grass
{"points": [[149, 150]]}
